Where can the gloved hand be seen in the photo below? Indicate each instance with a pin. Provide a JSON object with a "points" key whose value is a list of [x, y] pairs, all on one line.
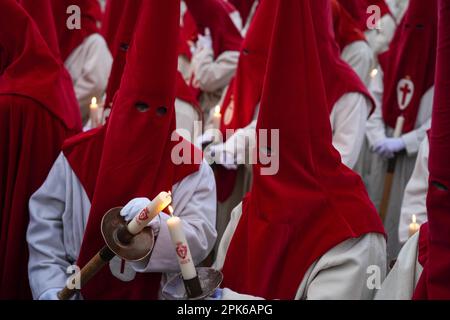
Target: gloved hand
{"points": [[389, 146], [204, 41], [221, 156], [134, 207], [50, 294]]}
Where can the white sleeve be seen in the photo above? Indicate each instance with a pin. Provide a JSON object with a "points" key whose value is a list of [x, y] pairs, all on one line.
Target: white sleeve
{"points": [[194, 201], [348, 121], [344, 271], [414, 138], [375, 128], [402, 279], [415, 196], [211, 75], [360, 57], [47, 254]]}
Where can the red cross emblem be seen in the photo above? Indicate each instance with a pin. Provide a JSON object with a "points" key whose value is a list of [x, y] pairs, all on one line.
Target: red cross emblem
{"points": [[405, 92]]}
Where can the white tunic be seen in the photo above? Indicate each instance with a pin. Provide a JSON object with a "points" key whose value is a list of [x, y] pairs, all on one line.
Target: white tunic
{"points": [[59, 213], [212, 76], [402, 280], [360, 57], [415, 198], [89, 66], [341, 273]]}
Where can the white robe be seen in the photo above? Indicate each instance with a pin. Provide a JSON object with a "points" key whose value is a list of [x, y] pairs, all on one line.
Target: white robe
{"points": [[341, 273], [246, 24], [402, 279], [415, 198], [360, 57], [89, 66], [212, 76], [59, 213]]}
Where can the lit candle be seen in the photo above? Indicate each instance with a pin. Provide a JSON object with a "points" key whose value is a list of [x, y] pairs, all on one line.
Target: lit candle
{"points": [[374, 72], [414, 226], [94, 113], [147, 214], [188, 271]]}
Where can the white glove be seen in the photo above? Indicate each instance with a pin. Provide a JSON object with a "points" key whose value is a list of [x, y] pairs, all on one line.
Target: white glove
{"points": [[50, 294], [204, 41], [389, 146], [134, 207], [222, 156]]}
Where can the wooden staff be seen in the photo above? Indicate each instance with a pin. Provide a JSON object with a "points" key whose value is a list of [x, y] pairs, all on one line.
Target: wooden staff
{"points": [[125, 235], [389, 178]]}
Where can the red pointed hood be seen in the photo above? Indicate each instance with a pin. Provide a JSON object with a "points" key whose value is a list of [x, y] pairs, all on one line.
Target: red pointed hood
{"points": [[124, 32], [314, 202], [68, 39], [346, 29], [409, 64], [114, 11], [28, 68], [137, 141], [339, 77], [215, 15], [42, 14], [358, 10], [435, 280]]}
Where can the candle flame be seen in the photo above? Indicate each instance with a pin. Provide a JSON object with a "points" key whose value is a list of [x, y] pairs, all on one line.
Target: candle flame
{"points": [[94, 103], [373, 73], [414, 219]]}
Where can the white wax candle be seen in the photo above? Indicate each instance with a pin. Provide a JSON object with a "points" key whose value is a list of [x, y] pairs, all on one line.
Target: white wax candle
{"points": [[151, 211], [414, 226], [94, 113], [399, 127], [217, 117], [182, 248]]}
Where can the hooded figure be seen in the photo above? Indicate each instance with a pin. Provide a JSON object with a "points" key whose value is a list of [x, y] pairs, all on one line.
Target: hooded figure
{"points": [[38, 111], [298, 229], [217, 50], [408, 80], [379, 30], [349, 105], [352, 43], [422, 270], [133, 157], [83, 50]]}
